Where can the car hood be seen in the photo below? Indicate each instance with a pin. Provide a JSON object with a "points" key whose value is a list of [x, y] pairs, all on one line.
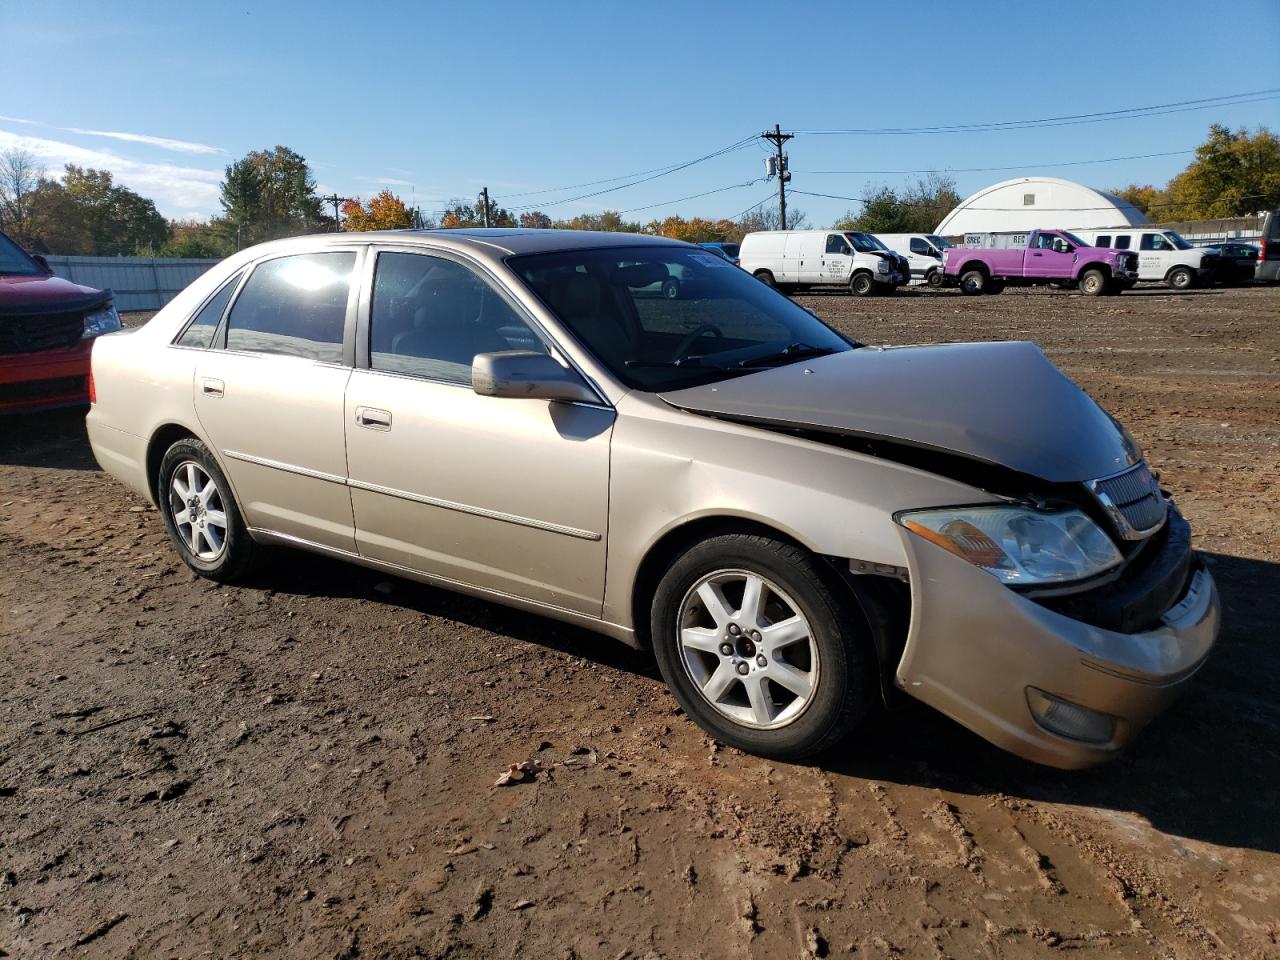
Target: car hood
{"points": [[45, 294], [998, 403]]}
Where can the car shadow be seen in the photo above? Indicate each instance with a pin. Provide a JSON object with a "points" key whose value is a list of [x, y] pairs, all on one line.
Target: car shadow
{"points": [[1206, 770], [54, 439]]}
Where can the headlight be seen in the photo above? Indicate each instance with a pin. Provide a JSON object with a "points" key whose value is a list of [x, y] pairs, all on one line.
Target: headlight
{"points": [[882, 267], [1017, 544], [103, 320]]}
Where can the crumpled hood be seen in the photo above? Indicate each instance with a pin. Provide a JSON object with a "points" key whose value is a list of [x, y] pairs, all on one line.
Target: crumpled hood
{"points": [[45, 294], [1000, 403]]}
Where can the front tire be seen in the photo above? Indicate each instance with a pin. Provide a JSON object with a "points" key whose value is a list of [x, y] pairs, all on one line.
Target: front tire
{"points": [[759, 649], [765, 277], [933, 278], [1093, 283], [200, 514], [670, 288], [1181, 278], [861, 284]]}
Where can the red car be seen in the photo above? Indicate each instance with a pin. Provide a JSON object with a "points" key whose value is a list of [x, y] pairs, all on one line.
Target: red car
{"points": [[47, 326]]}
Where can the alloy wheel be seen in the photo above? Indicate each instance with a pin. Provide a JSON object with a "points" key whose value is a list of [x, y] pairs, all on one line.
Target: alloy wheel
{"points": [[748, 648], [198, 510]]}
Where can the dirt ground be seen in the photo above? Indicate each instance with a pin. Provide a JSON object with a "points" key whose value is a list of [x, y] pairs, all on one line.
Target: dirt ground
{"points": [[303, 766]]}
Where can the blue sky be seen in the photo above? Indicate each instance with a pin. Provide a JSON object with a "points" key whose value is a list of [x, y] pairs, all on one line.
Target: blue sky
{"points": [[435, 100]]}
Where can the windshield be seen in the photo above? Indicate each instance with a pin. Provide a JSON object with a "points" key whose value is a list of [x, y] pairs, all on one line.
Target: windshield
{"points": [[1176, 240], [940, 242], [865, 242], [1074, 239], [13, 262], [732, 249], [662, 318]]}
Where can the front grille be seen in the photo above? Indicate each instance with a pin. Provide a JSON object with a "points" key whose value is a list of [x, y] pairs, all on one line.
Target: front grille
{"points": [[1132, 499], [44, 389], [1131, 261], [1149, 585], [33, 333]]}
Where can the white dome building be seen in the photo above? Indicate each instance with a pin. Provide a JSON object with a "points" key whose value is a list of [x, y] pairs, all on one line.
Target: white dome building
{"points": [[1046, 202]]}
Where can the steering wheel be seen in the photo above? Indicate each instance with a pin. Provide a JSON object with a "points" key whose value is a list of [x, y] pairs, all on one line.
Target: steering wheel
{"points": [[700, 331]]}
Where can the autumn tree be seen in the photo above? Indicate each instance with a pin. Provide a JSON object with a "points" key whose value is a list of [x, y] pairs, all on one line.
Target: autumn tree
{"points": [[1151, 200], [535, 220], [87, 213], [609, 221], [1233, 174], [695, 230], [385, 211], [268, 194]]}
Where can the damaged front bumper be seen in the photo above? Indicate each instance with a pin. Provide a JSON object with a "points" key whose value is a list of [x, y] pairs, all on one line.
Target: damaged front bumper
{"points": [[1034, 681]]}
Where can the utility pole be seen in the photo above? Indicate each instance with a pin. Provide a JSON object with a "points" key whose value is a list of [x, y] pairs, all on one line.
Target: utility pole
{"points": [[778, 138], [484, 211], [337, 202]]}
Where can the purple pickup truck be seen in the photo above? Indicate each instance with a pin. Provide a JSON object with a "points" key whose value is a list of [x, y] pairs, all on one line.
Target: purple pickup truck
{"points": [[1049, 256]]}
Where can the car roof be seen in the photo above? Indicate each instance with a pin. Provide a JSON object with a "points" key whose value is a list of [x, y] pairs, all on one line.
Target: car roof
{"points": [[489, 241]]}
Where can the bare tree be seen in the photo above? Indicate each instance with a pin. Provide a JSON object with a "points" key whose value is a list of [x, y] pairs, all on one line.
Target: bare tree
{"points": [[20, 174]]}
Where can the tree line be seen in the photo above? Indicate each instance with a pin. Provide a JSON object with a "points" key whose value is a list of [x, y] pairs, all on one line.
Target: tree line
{"points": [[270, 194]]}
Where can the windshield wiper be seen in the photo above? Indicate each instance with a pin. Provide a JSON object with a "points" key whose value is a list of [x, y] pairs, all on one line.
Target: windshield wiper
{"points": [[696, 361], [792, 351]]}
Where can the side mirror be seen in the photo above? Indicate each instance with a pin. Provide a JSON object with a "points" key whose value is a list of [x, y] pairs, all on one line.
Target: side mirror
{"points": [[42, 263], [524, 373]]}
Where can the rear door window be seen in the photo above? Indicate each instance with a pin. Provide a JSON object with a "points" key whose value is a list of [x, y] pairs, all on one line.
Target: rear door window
{"points": [[1103, 241], [1122, 243], [200, 330], [294, 306]]}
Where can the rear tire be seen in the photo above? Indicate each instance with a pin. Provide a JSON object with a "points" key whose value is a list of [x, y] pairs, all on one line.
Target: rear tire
{"points": [[201, 516], [765, 277], [861, 284], [670, 288], [973, 283], [933, 278], [787, 694], [1093, 283], [1181, 278]]}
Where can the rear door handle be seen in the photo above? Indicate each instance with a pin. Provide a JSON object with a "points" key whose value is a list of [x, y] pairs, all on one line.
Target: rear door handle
{"points": [[212, 387], [373, 418]]}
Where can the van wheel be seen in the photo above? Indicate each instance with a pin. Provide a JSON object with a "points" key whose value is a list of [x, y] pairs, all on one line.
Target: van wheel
{"points": [[1181, 278], [201, 516], [1093, 283], [973, 282], [765, 277], [758, 648], [671, 288], [933, 278], [861, 284]]}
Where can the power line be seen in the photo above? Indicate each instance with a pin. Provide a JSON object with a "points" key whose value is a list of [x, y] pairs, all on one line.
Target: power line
{"points": [[693, 196], [1128, 113], [1023, 166], [760, 203]]}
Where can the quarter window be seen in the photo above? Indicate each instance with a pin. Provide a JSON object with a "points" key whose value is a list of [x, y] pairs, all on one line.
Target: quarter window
{"points": [[295, 306], [431, 316], [1122, 243], [200, 330], [1103, 241]]}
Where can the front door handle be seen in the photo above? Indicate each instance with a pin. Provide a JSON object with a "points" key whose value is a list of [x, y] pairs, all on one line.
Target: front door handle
{"points": [[373, 418], [212, 387], [1037, 254]]}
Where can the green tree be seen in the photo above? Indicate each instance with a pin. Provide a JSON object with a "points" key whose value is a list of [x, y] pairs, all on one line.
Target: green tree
{"points": [[1233, 174], [268, 194], [919, 208], [1151, 200], [198, 239], [462, 214]]}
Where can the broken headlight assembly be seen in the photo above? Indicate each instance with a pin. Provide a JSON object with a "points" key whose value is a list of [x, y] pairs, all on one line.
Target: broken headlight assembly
{"points": [[1019, 545]]}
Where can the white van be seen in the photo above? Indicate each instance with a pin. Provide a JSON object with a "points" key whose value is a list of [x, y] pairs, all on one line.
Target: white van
{"points": [[804, 258], [1162, 255], [924, 253]]}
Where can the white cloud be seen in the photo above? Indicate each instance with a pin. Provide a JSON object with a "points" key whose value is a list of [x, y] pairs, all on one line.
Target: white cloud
{"points": [[176, 189], [165, 143], [391, 182]]}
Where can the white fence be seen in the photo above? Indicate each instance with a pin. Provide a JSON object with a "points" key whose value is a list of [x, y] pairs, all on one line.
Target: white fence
{"points": [[138, 283]]}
